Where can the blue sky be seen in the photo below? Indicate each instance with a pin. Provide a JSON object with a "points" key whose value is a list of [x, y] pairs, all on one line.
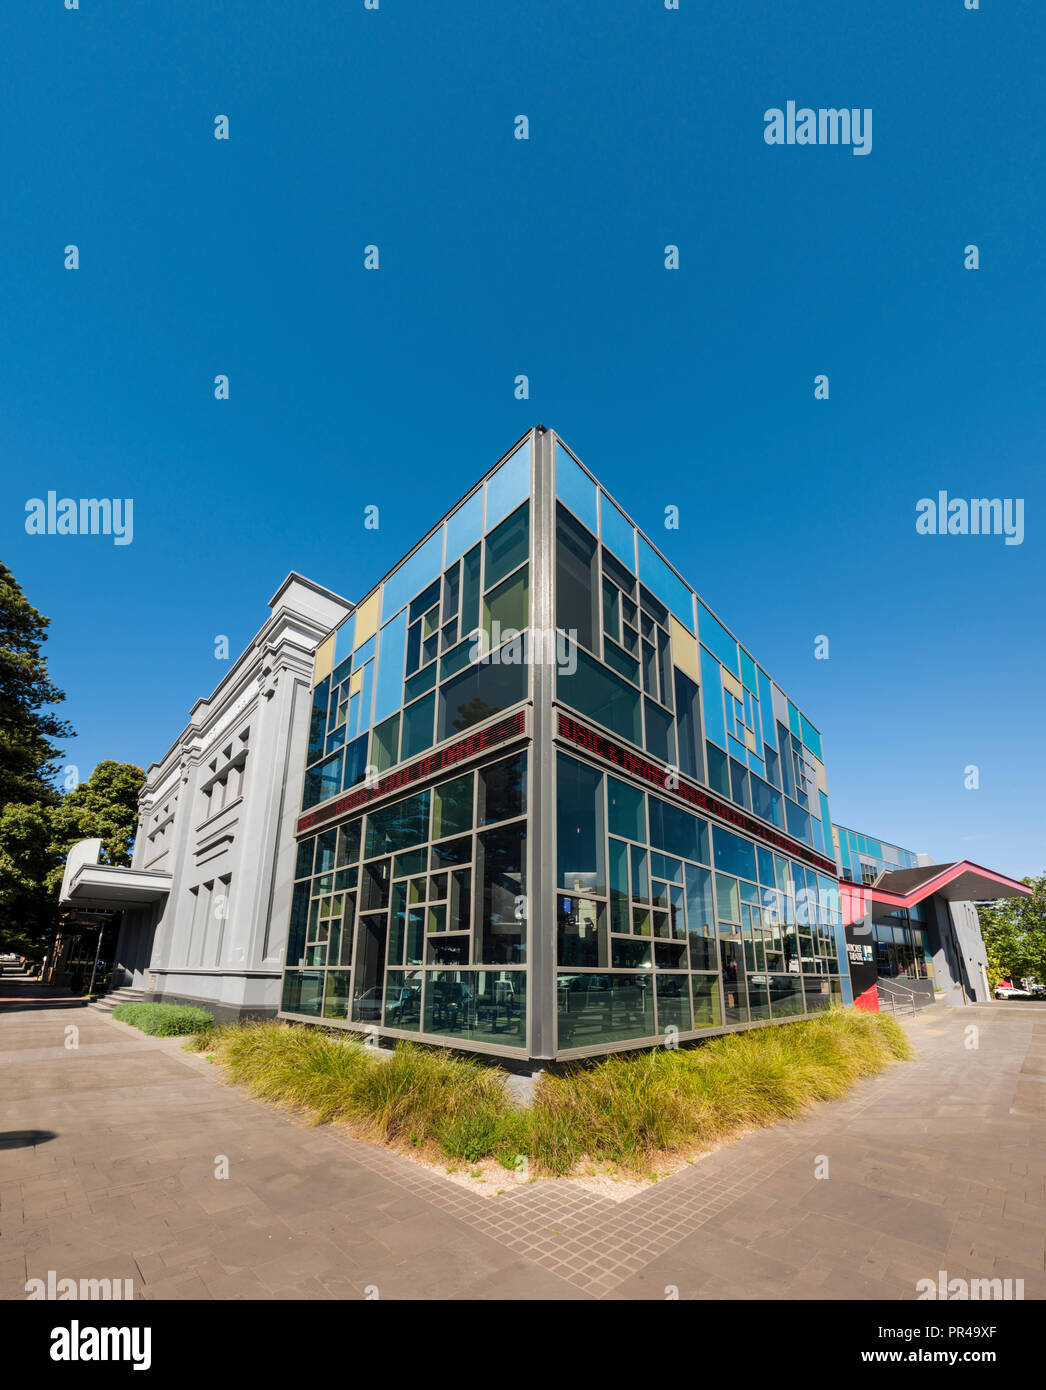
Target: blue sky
{"points": [[546, 257]]}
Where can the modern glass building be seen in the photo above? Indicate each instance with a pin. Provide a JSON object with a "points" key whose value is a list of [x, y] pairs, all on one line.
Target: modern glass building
{"points": [[552, 806]]}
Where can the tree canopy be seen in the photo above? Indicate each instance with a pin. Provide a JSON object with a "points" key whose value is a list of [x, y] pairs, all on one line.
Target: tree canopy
{"points": [[1014, 931]]}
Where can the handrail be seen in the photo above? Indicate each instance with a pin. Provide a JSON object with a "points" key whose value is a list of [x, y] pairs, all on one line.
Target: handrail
{"points": [[892, 984]]}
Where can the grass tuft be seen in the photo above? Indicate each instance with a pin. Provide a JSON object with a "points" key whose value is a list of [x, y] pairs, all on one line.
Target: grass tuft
{"points": [[163, 1020], [628, 1109]]}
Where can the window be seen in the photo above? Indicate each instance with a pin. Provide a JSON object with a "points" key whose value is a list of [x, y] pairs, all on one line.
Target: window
{"points": [[596, 692], [577, 581]]}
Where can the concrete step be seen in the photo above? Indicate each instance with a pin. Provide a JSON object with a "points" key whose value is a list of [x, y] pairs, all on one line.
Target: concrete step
{"points": [[108, 1002]]}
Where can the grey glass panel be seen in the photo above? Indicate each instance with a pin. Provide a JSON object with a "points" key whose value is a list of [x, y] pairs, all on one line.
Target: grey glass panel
{"points": [[303, 992], [734, 991], [786, 995], [673, 1003], [452, 807], [619, 915], [595, 691], [417, 727], [502, 790], [688, 727], [507, 546], [385, 745], [596, 1009], [579, 827], [403, 999], [626, 810], [707, 1010], [336, 995], [501, 880], [480, 692], [577, 580], [478, 1005], [676, 831], [631, 953], [369, 975], [400, 826], [581, 932]]}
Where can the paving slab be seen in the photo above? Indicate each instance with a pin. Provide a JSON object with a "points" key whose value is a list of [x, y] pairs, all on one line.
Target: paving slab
{"points": [[111, 1144]]}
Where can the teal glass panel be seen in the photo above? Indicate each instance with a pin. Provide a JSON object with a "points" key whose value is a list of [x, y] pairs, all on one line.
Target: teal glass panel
{"points": [[464, 527], [366, 699], [748, 676], [595, 691], [622, 663], [617, 533], [388, 693], [664, 583], [712, 679], [579, 827], [575, 488], [626, 813], [793, 721], [716, 638], [718, 767], [415, 574], [810, 737], [509, 485]]}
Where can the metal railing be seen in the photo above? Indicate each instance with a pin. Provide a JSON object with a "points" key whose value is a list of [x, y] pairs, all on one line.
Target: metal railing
{"points": [[906, 1005]]}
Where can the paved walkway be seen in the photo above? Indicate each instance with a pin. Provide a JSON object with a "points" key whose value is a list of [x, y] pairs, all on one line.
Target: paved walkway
{"points": [[108, 1154]]}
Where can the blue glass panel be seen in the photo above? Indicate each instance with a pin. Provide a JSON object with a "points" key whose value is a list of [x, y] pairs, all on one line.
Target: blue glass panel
{"points": [[811, 737], [366, 697], [464, 527], [364, 653], [575, 488], [341, 671], [766, 709], [389, 691], [618, 533], [748, 676], [766, 867], [844, 853], [712, 680], [737, 750], [664, 583], [732, 854], [355, 763], [875, 848], [509, 485], [716, 638], [343, 638], [815, 835], [756, 764], [798, 822], [413, 575]]}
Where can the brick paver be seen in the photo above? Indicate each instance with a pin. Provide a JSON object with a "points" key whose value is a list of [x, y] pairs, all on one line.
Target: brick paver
{"points": [[108, 1154]]}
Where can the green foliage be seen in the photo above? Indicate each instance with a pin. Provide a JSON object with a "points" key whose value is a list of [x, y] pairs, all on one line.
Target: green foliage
{"points": [[28, 757], [1014, 931], [164, 1020], [35, 839], [626, 1109]]}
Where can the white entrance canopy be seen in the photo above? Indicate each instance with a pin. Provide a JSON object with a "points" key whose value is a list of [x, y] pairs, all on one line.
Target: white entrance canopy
{"points": [[87, 883]]}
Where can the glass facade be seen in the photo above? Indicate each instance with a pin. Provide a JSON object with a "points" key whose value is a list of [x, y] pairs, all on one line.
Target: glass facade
{"points": [[862, 858], [651, 858]]}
